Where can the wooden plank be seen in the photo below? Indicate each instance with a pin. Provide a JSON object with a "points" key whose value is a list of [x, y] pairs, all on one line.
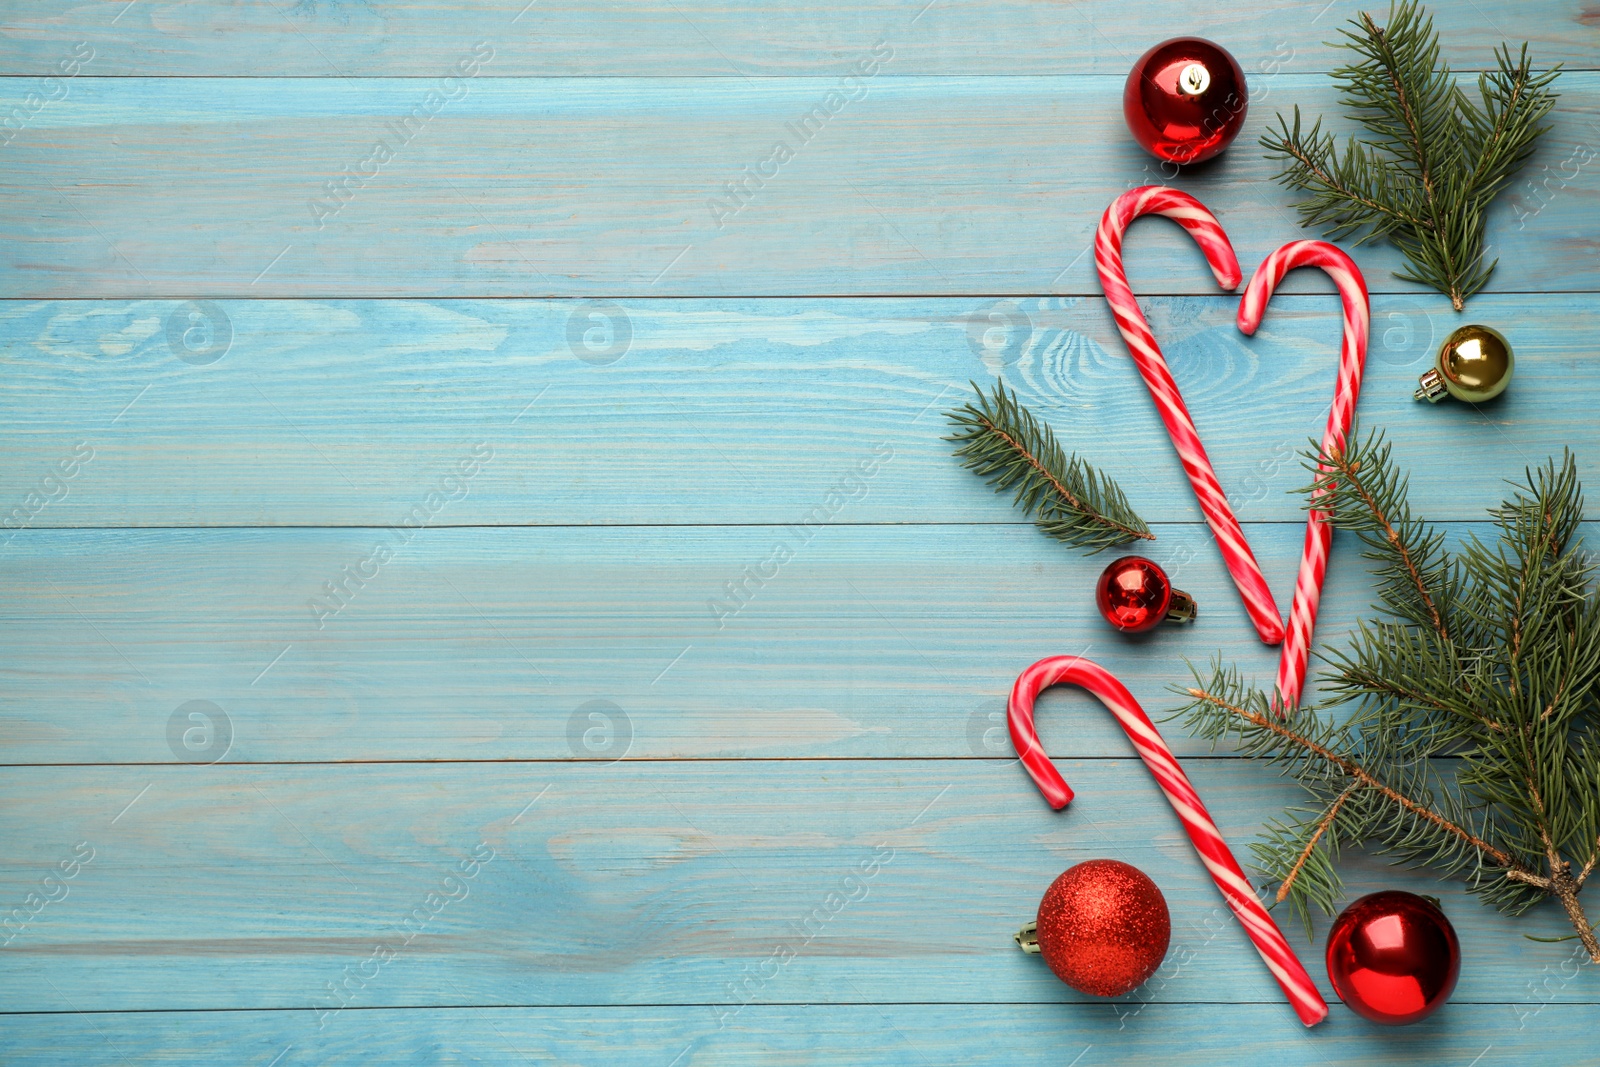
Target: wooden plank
{"points": [[591, 643], [654, 888], [318, 38], [191, 187], [331, 413], [636, 883], [1001, 1035]]}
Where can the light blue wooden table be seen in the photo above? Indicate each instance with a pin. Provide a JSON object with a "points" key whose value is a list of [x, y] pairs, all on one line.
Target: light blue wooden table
{"points": [[368, 653]]}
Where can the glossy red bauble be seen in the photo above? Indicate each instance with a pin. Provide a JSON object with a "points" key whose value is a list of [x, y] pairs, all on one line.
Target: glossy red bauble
{"points": [[1393, 957], [1185, 100], [1135, 595], [1102, 927]]}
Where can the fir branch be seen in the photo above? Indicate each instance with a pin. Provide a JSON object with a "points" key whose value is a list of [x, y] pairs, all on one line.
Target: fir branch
{"points": [[1361, 777], [1350, 191], [1433, 160], [1380, 679], [1488, 653], [1000, 440], [1507, 139]]}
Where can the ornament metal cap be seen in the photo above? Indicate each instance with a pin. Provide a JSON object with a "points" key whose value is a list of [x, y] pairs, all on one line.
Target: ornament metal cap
{"points": [[1430, 386], [1183, 608], [1027, 939], [1474, 364], [1194, 80]]}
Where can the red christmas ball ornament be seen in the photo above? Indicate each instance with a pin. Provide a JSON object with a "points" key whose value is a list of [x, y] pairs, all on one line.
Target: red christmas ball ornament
{"points": [[1393, 957], [1185, 100], [1102, 927], [1135, 595]]}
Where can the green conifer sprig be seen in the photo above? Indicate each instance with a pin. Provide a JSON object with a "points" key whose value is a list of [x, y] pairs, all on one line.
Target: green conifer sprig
{"points": [[1472, 740], [1433, 159], [1000, 440]]}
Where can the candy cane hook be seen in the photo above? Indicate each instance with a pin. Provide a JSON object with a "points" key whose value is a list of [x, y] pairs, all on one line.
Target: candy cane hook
{"points": [[1346, 391], [1189, 213], [1214, 853]]}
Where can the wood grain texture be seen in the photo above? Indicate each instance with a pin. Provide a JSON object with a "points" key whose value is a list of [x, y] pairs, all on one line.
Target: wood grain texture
{"points": [[334, 413], [193, 187], [671, 796], [322, 38], [595, 644], [901, 1035], [636, 883]]}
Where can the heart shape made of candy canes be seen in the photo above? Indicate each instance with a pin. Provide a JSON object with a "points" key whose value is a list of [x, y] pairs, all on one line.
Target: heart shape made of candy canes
{"points": [[1213, 241]]}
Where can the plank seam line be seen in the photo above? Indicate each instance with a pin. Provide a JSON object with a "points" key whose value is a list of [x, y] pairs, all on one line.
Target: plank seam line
{"points": [[1198, 757], [637, 298], [717, 1004], [828, 76], [1174, 524]]}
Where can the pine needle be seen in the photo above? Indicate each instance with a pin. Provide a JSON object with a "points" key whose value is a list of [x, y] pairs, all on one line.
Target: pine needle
{"points": [[1000, 440], [1433, 159]]}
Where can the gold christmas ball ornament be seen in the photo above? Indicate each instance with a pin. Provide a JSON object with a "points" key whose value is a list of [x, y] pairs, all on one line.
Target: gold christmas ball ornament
{"points": [[1474, 364]]}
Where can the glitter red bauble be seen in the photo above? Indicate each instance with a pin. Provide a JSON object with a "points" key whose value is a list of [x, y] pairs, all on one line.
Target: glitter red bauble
{"points": [[1134, 595], [1185, 100], [1393, 957], [1103, 927]]}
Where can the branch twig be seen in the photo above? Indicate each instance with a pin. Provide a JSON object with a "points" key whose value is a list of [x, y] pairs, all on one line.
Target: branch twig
{"points": [[1594, 854], [1322, 826], [1294, 152], [1354, 770], [1352, 471], [1055, 483]]}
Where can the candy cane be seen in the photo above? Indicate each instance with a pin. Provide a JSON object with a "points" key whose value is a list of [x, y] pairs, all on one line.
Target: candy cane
{"points": [[1236, 889], [1207, 232], [1352, 358]]}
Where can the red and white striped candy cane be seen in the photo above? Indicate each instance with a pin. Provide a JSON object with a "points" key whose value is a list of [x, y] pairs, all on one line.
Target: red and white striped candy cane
{"points": [[1207, 232], [1236, 889], [1347, 390]]}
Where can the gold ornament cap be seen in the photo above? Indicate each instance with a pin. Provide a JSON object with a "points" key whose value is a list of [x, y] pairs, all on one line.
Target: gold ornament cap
{"points": [[1474, 364], [1182, 609], [1194, 80]]}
